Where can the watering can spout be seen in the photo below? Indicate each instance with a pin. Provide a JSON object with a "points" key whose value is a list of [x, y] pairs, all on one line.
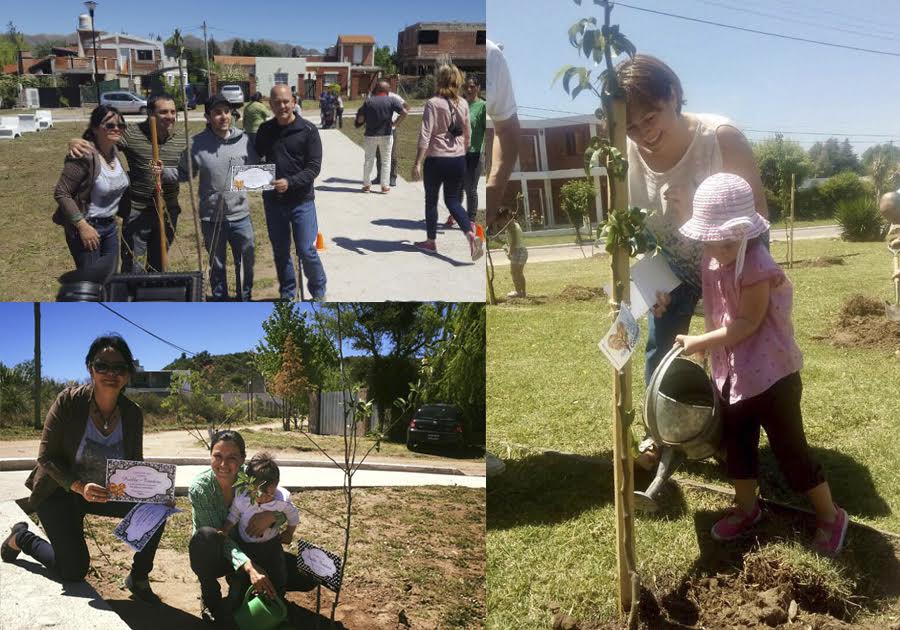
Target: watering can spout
{"points": [[669, 462]]}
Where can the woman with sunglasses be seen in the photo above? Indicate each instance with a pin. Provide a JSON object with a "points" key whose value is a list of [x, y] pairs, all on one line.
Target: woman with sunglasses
{"points": [[92, 191], [86, 425]]}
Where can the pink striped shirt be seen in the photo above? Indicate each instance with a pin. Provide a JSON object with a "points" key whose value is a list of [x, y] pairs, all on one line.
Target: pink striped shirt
{"points": [[434, 137], [770, 353]]}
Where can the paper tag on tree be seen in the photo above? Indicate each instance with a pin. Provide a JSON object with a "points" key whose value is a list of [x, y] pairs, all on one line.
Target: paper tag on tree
{"points": [[620, 340]]}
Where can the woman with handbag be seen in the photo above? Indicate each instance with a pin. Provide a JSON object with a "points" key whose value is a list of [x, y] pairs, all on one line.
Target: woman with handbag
{"points": [[92, 191], [441, 157]]}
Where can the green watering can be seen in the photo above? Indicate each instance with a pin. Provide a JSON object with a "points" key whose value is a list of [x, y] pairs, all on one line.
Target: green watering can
{"points": [[260, 612]]}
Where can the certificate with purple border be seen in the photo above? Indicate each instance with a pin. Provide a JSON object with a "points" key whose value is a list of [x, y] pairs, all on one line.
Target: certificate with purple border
{"points": [[140, 482]]}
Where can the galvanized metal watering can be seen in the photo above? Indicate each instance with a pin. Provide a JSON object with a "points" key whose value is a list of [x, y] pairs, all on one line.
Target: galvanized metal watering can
{"points": [[681, 412]]}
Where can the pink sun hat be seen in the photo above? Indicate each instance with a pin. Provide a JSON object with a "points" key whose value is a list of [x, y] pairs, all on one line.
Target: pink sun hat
{"points": [[724, 210]]}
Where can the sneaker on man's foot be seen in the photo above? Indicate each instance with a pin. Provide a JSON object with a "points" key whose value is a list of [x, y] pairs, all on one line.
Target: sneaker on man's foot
{"points": [[736, 523], [393, 182], [7, 553], [376, 181], [141, 590], [427, 246], [515, 294], [830, 536]]}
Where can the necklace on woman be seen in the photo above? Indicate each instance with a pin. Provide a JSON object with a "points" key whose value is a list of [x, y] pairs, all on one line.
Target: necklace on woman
{"points": [[108, 418]]}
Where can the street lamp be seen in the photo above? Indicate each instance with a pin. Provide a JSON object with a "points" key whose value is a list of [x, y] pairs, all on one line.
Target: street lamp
{"points": [[90, 7]]}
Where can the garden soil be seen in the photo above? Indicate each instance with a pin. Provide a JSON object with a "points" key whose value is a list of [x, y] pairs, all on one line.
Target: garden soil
{"points": [[576, 293], [862, 323]]}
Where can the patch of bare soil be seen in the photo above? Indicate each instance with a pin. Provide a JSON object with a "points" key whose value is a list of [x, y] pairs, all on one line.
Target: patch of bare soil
{"points": [[577, 293], [862, 324], [416, 560], [820, 261], [529, 300]]}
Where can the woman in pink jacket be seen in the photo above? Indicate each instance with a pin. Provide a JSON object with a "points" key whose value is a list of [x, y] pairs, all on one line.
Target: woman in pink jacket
{"points": [[441, 157]]}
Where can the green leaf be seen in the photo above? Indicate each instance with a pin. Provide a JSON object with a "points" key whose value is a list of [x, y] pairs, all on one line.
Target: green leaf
{"points": [[568, 77], [560, 73], [587, 42]]}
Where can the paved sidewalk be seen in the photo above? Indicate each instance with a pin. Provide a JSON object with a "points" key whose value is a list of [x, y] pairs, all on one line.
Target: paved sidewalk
{"points": [[31, 599], [369, 237]]}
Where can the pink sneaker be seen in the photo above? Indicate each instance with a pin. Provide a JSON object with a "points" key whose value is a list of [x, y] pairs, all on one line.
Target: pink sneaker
{"points": [[736, 523], [427, 246], [830, 538]]}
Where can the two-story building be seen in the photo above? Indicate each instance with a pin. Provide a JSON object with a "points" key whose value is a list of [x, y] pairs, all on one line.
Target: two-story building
{"points": [[420, 46], [551, 153]]}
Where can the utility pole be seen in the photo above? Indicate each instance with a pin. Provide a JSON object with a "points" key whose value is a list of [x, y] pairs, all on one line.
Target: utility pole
{"points": [[206, 49], [37, 366]]}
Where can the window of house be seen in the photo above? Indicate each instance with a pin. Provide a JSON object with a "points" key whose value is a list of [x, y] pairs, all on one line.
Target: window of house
{"points": [[357, 53], [480, 37], [331, 77], [570, 143], [281, 78], [145, 55], [428, 37]]}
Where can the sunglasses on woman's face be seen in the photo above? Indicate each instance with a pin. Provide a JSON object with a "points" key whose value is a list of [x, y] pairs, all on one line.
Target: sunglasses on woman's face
{"points": [[111, 126], [118, 369]]}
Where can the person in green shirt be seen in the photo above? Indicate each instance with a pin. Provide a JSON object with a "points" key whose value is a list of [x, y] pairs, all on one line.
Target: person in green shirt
{"points": [[255, 114], [514, 246], [474, 157], [214, 554]]}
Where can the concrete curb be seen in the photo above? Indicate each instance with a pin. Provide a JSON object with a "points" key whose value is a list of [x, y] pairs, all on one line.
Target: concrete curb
{"points": [[24, 463]]}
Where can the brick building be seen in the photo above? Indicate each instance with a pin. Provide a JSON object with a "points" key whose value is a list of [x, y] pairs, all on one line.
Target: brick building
{"points": [[551, 153], [420, 45]]}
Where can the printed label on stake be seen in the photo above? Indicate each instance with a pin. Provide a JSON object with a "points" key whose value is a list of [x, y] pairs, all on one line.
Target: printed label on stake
{"points": [[620, 340]]}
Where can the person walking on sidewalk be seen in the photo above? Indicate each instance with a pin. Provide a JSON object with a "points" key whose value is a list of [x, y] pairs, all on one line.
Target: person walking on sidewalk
{"points": [[474, 156], [86, 425], [294, 146], [395, 147], [443, 140], [377, 114], [224, 215]]}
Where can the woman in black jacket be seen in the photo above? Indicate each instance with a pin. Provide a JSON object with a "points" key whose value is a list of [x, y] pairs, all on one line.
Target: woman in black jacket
{"points": [[92, 191], [86, 425]]}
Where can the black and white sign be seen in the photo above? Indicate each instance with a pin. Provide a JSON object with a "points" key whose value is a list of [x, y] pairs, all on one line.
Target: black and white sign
{"points": [[140, 482], [323, 565]]}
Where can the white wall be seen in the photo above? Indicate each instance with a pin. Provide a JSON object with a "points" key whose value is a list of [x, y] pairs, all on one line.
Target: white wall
{"points": [[267, 67]]}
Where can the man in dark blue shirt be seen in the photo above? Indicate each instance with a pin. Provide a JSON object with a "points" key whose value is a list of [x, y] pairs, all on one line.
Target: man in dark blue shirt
{"points": [[293, 145]]}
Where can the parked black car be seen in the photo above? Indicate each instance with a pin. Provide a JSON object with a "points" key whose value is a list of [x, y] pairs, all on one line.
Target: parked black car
{"points": [[437, 424]]}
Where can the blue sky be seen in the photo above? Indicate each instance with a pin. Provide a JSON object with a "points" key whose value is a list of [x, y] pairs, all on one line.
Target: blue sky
{"points": [[309, 24], [68, 329], [761, 82]]}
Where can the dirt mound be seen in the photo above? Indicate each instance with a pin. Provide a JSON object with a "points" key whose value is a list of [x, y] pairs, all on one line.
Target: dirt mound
{"points": [[820, 261], [862, 324], [529, 300], [577, 293]]}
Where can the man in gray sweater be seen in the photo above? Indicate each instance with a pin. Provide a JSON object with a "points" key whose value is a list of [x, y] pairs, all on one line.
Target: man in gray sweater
{"points": [[224, 215]]}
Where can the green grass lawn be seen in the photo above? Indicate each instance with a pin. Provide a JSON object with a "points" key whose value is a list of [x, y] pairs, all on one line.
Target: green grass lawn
{"points": [[551, 525]]}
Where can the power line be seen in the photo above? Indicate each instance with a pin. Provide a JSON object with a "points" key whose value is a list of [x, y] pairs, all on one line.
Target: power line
{"points": [[758, 32], [818, 10], [154, 335], [787, 19]]}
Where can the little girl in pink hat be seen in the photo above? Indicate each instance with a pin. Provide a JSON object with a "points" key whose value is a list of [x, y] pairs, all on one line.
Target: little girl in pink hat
{"points": [[755, 361]]}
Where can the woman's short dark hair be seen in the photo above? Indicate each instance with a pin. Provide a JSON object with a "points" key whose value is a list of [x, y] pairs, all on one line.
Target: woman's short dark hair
{"points": [[263, 469], [97, 117], [114, 341], [648, 81], [256, 97], [227, 435]]}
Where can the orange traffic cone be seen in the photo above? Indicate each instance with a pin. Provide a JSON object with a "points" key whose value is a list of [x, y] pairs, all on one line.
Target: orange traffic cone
{"points": [[320, 242], [479, 231]]}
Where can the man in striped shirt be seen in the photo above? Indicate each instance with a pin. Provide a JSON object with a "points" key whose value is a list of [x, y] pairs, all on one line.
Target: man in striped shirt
{"points": [[140, 230]]}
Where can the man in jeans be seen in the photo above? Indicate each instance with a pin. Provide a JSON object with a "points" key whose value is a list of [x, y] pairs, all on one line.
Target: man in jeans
{"points": [[224, 215], [293, 145], [378, 111]]}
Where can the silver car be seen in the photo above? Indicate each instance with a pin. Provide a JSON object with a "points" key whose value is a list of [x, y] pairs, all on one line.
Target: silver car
{"points": [[125, 102], [233, 94]]}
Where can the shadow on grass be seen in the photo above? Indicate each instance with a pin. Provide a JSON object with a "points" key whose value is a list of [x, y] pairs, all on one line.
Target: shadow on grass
{"points": [[468, 452], [548, 488]]}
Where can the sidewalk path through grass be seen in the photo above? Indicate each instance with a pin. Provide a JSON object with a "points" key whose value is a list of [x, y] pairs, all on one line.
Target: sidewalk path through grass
{"points": [[369, 237]]}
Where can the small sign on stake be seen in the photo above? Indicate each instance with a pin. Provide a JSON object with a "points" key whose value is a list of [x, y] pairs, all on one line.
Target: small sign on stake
{"points": [[322, 565], [620, 340]]}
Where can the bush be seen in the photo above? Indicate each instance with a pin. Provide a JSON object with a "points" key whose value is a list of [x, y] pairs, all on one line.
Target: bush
{"points": [[859, 219], [821, 202], [150, 404]]}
